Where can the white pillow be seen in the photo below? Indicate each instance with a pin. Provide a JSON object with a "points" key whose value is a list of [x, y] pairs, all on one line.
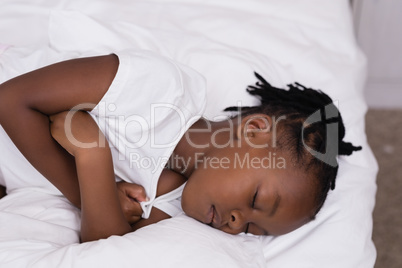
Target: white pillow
{"points": [[228, 70]]}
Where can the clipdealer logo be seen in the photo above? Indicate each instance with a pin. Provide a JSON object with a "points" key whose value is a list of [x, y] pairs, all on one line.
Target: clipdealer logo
{"points": [[332, 133], [116, 127]]}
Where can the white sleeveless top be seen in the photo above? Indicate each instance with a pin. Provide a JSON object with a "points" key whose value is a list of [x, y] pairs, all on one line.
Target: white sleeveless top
{"points": [[150, 104]]}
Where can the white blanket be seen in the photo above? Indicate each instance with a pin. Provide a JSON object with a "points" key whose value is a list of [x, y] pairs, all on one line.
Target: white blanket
{"points": [[309, 41]]}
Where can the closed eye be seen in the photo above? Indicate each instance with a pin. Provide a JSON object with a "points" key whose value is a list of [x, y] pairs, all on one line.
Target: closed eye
{"points": [[254, 198], [252, 205]]}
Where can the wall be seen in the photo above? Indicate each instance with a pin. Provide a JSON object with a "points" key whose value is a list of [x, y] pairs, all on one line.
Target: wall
{"points": [[379, 32]]}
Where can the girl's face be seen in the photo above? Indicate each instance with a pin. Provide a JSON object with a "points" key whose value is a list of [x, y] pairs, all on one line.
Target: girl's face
{"points": [[254, 190]]}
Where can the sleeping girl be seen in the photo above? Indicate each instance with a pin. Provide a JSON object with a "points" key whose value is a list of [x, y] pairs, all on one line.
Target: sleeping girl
{"points": [[123, 138]]}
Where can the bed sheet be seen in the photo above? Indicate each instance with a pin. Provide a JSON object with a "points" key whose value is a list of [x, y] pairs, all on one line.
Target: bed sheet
{"points": [[309, 41]]}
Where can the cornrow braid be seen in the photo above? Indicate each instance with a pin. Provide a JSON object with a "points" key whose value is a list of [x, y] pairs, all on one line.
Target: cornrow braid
{"points": [[312, 145]]}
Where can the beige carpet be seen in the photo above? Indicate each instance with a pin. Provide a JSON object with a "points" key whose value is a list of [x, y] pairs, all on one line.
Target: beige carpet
{"points": [[384, 131]]}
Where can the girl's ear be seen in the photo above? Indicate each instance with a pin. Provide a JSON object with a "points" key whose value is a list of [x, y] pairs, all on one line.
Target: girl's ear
{"points": [[254, 126]]}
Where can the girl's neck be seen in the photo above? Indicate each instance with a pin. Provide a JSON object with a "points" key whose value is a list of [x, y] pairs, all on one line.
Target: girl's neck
{"points": [[200, 140]]}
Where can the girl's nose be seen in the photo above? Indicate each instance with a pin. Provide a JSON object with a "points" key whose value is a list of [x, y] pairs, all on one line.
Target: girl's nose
{"points": [[237, 220]]}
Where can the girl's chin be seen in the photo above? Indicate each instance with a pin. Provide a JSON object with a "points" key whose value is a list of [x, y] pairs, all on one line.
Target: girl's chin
{"points": [[191, 212]]}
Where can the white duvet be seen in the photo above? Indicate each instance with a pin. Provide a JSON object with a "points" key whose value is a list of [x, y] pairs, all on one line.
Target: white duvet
{"points": [[309, 41]]}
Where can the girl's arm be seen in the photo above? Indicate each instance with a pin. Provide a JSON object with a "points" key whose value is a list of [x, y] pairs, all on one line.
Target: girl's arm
{"points": [[27, 101], [101, 213]]}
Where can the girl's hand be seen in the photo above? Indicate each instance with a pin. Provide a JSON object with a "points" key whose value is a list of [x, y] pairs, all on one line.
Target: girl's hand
{"points": [[65, 127], [130, 194]]}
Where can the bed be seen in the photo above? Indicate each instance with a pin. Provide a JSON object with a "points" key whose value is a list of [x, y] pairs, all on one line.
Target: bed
{"points": [[309, 41]]}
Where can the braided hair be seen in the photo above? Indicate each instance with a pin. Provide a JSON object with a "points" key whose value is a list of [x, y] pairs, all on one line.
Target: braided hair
{"points": [[312, 146]]}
